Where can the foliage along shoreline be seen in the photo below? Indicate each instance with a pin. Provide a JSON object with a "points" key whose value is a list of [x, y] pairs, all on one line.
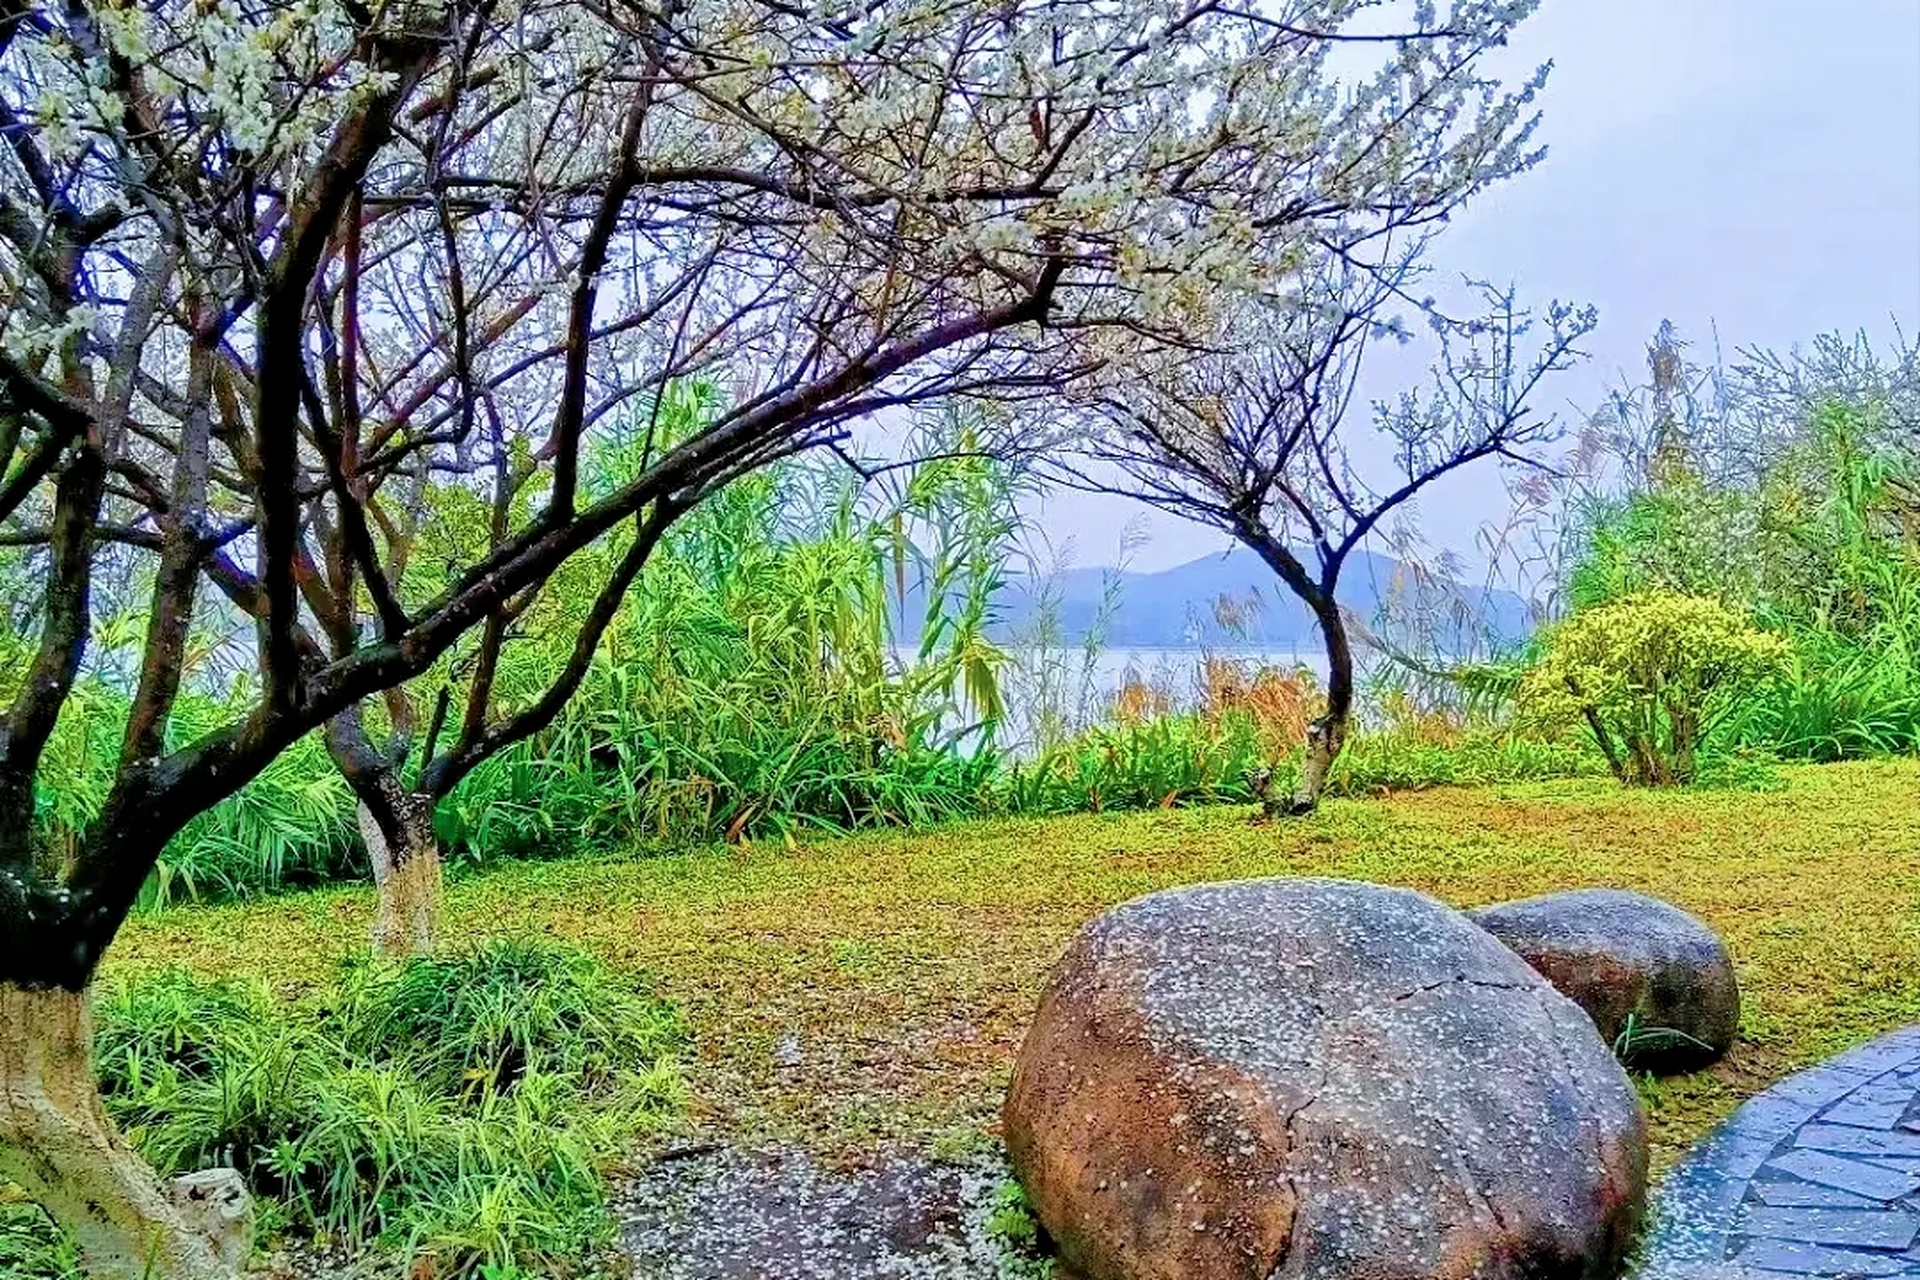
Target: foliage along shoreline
{"points": [[753, 687]]}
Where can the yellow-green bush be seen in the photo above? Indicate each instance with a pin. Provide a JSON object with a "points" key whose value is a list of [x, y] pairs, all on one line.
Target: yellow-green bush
{"points": [[1649, 676]]}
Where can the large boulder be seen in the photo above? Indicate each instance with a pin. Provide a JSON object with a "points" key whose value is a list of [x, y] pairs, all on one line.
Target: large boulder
{"points": [[1656, 981], [1319, 1080]]}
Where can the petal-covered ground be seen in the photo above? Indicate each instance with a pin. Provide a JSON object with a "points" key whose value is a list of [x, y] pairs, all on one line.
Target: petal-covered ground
{"points": [[849, 993]]}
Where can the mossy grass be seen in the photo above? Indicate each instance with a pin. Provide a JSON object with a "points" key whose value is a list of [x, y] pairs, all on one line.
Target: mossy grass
{"points": [[843, 991]]}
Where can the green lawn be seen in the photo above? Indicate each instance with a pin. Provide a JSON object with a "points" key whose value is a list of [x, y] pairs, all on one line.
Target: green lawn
{"points": [[906, 964]]}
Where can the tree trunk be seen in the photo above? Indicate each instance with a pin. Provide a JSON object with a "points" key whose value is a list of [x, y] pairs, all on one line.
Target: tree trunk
{"points": [[406, 874], [1325, 738], [397, 825], [1328, 734], [57, 1143]]}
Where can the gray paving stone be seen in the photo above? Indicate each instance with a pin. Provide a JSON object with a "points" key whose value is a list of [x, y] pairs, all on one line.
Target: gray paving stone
{"points": [[1882, 1056], [1861, 1142], [1805, 1195], [1878, 1106], [1738, 1157], [1887, 1229], [1814, 1089], [1781, 1257], [1769, 1117], [1875, 1182]]}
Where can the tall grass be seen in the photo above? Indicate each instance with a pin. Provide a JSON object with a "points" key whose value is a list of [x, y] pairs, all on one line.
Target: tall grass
{"points": [[1212, 734], [803, 655], [292, 825], [1820, 545], [806, 652]]}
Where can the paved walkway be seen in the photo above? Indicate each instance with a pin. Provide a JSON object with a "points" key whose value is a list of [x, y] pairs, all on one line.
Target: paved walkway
{"points": [[1818, 1176]]}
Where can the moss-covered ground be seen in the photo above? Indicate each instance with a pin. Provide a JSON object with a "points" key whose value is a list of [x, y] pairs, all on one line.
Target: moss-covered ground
{"points": [[848, 990]]}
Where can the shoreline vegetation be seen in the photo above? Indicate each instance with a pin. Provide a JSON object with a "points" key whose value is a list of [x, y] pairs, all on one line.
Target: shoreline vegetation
{"points": [[754, 686]]}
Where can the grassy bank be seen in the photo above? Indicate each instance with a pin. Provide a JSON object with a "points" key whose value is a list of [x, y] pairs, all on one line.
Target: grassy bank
{"points": [[876, 987]]}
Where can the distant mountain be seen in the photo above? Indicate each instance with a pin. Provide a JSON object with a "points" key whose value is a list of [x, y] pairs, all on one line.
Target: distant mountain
{"points": [[1176, 608]]}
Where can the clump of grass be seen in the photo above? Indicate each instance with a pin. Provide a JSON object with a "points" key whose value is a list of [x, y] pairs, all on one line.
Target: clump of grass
{"points": [[31, 1246], [488, 1021], [462, 1108], [1638, 1039], [1280, 703], [1180, 759]]}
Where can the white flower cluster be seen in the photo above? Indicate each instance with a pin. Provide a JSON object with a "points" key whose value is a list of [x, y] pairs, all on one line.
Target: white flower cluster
{"points": [[803, 183], [253, 79]]}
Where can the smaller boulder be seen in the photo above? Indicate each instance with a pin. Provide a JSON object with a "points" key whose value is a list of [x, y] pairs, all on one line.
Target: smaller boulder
{"points": [[1657, 982]]}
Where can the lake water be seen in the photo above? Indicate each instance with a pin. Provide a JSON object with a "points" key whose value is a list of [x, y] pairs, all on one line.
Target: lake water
{"points": [[1178, 668], [1171, 668], [1085, 693]]}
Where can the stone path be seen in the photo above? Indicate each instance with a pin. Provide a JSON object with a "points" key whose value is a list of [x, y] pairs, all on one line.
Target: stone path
{"points": [[1818, 1176]]}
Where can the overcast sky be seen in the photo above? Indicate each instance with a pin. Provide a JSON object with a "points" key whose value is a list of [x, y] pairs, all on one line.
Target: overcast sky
{"points": [[1745, 167]]}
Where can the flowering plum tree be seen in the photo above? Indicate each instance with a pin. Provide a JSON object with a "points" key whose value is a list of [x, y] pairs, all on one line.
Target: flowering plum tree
{"points": [[271, 272]]}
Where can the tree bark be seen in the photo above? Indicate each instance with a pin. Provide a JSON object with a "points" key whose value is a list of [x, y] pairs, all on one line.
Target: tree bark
{"points": [[397, 825], [57, 1143], [1328, 734], [406, 875]]}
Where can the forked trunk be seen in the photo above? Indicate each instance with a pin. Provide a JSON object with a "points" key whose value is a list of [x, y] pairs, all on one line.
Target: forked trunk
{"points": [[406, 873], [57, 1143], [1328, 734]]}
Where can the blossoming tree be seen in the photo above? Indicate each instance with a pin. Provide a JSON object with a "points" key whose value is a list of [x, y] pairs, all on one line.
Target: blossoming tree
{"points": [[269, 271]]}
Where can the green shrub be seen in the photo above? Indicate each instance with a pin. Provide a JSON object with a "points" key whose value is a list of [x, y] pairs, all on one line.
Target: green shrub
{"points": [[1804, 519], [462, 1107], [1650, 676]]}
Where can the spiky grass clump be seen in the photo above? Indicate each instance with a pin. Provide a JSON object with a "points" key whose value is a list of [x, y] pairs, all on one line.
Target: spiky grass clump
{"points": [[31, 1247], [463, 1108]]}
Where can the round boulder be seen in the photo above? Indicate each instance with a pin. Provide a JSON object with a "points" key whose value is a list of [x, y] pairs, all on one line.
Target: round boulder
{"points": [[1319, 1080], [1656, 981]]}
